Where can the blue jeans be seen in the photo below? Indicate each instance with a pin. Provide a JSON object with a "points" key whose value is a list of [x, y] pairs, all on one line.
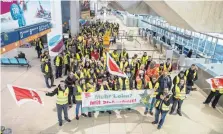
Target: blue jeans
{"points": [[78, 105], [150, 108], [163, 116]]}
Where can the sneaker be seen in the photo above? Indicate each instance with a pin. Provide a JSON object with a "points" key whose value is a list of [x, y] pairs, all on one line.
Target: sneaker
{"points": [[145, 113], [60, 123], [179, 113], [159, 127], [84, 115], [151, 113], [77, 118], [68, 120], [154, 122]]}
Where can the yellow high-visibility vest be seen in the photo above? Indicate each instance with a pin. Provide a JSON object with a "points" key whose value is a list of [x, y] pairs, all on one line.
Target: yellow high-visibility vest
{"points": [[66, 59], [92, 88], [78, 77], [164, 107], [115, 56], [195, 73], [123, 65], [178, 79], [78, 96], [78, 57], [155, 88], [167, 69], [46, 68], [180, 94], [144, 60], [219, 89], [127, 83], [57, 61], [62, 96]]}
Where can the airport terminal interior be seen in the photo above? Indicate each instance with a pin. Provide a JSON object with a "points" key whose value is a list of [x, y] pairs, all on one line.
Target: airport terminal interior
{"points": [[185, 32]]}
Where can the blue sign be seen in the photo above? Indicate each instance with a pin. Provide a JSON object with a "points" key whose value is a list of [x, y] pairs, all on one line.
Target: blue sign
{"points": [[44, 26], [8, 38], [26, 32]]}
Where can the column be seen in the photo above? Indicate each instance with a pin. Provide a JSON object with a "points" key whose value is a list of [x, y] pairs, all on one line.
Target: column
{"points": [[74, 17]]}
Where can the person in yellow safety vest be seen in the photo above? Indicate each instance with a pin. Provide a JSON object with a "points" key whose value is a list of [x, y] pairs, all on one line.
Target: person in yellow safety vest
{"points": [[161, 69], [39, 47], [152, 85], [43, 57], [48, 73], [192, 76], [124, 83], [86, 70], [78, 89], [80, 38], [177, 78], [144, 58], [79, 56], [78, 74], [90, 89], [216, 93], [123, 64], [66, 62], [179, 94], [62, 93], [140, 80], [113, 84], [162, 107], [115, 55], [58, 62], [124, 54], [103, 62], [168, 65]]}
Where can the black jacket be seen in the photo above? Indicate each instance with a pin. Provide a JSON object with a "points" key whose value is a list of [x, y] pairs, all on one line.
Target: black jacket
{"points": [[69, 82], [161, 82], [190, 77]]}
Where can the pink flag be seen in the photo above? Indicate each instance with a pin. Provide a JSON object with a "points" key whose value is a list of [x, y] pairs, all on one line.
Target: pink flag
{"points": [[22, 95], [113, 68], [216, 82]]}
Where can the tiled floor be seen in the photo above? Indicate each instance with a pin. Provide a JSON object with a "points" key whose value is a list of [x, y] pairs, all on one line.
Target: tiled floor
{"points": [[32, 118]]}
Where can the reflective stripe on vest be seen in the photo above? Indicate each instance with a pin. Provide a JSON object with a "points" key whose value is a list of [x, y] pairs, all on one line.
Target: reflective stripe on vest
{"points": [[57, 61], [78, 96], [62, 96], [78, 56], [78, 77], [164, 107], [92, 89], [123, 54], [180, 94]]}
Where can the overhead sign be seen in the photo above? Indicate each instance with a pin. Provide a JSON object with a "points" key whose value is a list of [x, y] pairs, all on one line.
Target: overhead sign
{"points": [[8, 38], [26, 32]]}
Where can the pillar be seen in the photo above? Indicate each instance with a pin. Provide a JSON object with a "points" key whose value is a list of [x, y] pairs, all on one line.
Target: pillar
{"points": [[74, 17]]}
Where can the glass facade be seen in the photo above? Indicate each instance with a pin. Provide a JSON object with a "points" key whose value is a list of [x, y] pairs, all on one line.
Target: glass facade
{"points": [[202, 45]]}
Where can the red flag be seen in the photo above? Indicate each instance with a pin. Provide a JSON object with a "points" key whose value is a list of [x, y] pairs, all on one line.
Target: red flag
{"points": [[216, 82], [22, 95], [113, 68]]}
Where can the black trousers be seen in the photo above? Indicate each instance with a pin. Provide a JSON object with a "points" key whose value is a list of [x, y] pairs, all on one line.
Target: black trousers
{"points": [[39, 52], [67, 69], [71, 97], [212, 94], [58, 71], [175, 103]]}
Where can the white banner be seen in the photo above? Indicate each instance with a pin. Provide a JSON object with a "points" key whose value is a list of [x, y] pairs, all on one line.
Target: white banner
{"points": [[106, 98]]}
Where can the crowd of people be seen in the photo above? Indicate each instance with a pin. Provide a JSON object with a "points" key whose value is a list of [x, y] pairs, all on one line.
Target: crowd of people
{"points": [[84, 61]]}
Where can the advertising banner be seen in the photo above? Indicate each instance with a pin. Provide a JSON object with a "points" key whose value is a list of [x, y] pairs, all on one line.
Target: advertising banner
{"points": [[21, 13], [114, 100], [55, 37], [85, 9]]}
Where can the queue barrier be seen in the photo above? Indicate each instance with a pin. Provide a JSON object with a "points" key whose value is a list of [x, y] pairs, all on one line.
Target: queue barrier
{"points": [[15, 61]]}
